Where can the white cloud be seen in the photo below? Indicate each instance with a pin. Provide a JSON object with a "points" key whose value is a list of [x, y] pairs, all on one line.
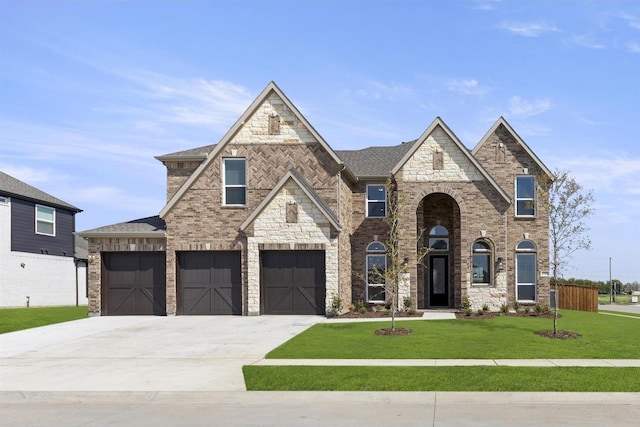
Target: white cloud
{"points": [[586, 41], [632, 21], [117, 199], [528, 29], [379, 90], [467, 87], [519, 107], [633, 46], [31, 176]]}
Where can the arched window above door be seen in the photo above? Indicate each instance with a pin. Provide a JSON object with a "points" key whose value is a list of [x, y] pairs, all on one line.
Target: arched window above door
{"points": [[439, 239]]}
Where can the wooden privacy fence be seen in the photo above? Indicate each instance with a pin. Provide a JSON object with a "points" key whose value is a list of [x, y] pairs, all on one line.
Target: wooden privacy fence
{"points": [[574, 297]]}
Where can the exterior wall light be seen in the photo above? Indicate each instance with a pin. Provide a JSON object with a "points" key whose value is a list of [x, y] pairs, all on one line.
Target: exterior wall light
{"points": [[500, 264]]}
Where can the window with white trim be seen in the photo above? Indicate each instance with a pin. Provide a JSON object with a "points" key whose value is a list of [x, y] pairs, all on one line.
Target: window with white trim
{"points": [[439, 239], [526, 267], [235, 182], [376, 201], [525, 196], [481, 263], [4, 200], [45, 220], [376, 269]]}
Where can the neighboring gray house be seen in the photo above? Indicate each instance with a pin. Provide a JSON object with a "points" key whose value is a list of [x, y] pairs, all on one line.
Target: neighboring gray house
{"points": [[272, 220], [37, 248]]}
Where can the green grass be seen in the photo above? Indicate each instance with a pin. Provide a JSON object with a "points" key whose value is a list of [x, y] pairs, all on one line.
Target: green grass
{"points": [[16, 319], [447, 378], [503, 337], [620, 299]]}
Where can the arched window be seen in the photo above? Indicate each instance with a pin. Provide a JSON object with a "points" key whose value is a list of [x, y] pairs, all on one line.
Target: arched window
{"points": [[526, 268], [482, 263], [376, 268], [439, 239]]}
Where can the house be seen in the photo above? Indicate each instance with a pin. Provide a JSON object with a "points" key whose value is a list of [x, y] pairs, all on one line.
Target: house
{"points": [[273, 220], [37, 248]]}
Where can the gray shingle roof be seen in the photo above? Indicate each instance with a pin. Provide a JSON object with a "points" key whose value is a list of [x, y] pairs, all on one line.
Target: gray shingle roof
{"points": [[152, 226], [374, 162], [199, 153], [12, 187]]}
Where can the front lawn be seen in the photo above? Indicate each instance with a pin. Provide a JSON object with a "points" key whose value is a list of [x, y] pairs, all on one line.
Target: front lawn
{"points": [[15, 319], [446, 378], [620, 299], [503, 337]]}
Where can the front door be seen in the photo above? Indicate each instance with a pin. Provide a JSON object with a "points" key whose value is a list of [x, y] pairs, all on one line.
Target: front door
{"points": [[439, 281]]}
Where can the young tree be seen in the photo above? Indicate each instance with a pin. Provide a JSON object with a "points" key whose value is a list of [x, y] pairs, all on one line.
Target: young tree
{"points": [[397, 265], [569, 206]]}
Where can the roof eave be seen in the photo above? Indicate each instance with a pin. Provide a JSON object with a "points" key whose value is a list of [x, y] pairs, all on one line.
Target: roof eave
{"points": [[189, 158], [120, 234]]}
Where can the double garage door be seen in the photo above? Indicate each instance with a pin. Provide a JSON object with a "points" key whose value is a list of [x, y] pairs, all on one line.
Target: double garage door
{"points": [[210, 283]]}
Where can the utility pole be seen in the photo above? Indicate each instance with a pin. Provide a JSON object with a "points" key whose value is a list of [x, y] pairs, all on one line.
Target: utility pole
{"points": [[612, 298]]}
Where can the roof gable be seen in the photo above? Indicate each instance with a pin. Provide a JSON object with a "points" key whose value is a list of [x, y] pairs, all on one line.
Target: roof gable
{"points": [[502, 122], [308, 191], [473, 163], [271, 89], [13, 187]]}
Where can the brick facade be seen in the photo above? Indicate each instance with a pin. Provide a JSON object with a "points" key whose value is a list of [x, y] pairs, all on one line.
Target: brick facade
{"points": [[470, 193]]}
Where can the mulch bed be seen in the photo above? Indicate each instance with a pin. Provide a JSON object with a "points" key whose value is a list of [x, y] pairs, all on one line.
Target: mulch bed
{"points": [[491, 315], [560, 335], [396, 331], [375, 314]]}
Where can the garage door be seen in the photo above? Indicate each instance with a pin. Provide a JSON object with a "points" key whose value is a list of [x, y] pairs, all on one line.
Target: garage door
{"points": [[292, 282], [210, 282], [133, 283]]}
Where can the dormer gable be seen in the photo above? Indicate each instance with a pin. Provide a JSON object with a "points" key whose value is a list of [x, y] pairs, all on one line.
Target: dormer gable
{"points": [[270, 119], [438, 155]]}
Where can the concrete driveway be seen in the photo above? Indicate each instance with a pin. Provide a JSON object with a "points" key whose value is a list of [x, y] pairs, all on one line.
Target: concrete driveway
{"points": [[140, 353]]}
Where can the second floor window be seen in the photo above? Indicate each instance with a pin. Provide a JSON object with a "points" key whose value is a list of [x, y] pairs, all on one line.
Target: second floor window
{"points": [[376, 201], [525, 196], [45, 220], [235, 182]]}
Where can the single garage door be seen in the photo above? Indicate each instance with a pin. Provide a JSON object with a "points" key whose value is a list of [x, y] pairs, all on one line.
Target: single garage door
{"points": [[133, 283], [210, 282], [293, 282]]}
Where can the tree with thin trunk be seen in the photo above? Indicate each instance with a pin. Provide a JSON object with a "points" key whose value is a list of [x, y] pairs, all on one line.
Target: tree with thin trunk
{"points": [[397, 264], [569, 206]]}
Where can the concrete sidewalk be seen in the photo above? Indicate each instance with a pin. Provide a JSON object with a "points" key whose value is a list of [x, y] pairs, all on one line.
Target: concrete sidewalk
{"points": [[543, 363]]}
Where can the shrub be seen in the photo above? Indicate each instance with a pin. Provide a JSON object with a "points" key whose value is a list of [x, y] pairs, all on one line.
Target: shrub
{"points": [[465, 304], [538, 308], [485, 308], [504, 309], [526, 309], [480, 312], [336, 305], [516, 306], [407, 304], [468, 312], [360, 307]]}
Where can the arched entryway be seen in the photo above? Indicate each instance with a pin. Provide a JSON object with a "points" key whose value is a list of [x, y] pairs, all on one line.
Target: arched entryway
{"points": [[438, 218]]}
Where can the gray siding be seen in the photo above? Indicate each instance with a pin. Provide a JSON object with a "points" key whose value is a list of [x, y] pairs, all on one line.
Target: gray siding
{"points": [[23, 232]]}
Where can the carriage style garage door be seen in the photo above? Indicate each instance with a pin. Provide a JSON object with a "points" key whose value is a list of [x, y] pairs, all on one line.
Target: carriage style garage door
{"points": [[133, 283], [293, 282], [209, 282]]}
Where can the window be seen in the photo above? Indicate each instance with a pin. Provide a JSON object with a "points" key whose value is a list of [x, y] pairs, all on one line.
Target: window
{"points": [[235, 182], [45, 220], [376, 201], [525, 196], [439, 239], [4, 200], [376, 268], [481, 263], [526, 266]]}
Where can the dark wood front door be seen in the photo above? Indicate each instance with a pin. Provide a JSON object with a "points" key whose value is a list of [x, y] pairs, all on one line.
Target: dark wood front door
{"points": [[439, 281], [293, 282]]}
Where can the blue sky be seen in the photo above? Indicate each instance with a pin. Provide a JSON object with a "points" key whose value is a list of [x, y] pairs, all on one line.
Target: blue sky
{"points": [[91, 91]]}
